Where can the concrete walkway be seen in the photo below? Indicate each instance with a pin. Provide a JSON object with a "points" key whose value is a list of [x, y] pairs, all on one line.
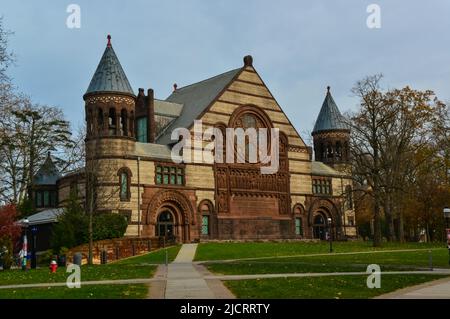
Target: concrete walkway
{"points": [[437, 289], [186, 281], [183, 281]]}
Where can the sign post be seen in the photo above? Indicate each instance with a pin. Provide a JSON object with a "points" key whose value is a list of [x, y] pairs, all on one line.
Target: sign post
{"points": [[448, 244], [447, 217]]}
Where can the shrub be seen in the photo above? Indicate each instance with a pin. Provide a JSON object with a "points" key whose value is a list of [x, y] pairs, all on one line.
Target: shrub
{"points": [[71, 229], [45, 257], [108, 226]]}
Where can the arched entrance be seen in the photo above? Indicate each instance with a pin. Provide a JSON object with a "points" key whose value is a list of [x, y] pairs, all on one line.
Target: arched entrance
{"points": [[320, 226], [320, 211], [169, 215], [165, 224]]}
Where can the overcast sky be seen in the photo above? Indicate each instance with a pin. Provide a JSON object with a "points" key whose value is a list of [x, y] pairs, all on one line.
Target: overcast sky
{"points": [[298, 47]]}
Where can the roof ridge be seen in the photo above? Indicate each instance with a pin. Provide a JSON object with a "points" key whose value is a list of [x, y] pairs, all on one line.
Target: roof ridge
{"points": [[208, 79]]}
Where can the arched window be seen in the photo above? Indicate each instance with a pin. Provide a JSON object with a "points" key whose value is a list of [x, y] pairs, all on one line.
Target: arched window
{"points": [[90, 123], [298, 219], [100, 120], [124, 184], [338, 150], [205, 209], [249, 117], [329, 151], [112, 121], [323, 151], [131, 129], [124, 123]]}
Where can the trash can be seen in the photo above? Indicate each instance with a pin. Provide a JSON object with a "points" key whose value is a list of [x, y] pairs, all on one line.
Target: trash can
{"points": [[62, 260], [77, 258], [104, 257]]}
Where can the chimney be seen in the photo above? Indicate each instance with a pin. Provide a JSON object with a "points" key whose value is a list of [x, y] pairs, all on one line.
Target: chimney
{"points": [[151, 127], [175, 86], [140, 101]]}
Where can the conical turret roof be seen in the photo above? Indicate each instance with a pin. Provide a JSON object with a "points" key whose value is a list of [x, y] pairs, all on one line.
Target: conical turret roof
{"points": [[329, 116], [47, 174], [109, 76]]}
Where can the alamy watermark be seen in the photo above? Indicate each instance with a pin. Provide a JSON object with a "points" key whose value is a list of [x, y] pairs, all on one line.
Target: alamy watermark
{"points": [[73, 21], [248, 145], [374, 19], [74, 279], [374, 279]]}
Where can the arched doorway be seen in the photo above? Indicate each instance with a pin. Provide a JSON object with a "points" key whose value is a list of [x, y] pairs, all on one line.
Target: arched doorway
{"points": [[319, 226], [170, 213], [165, 224]]}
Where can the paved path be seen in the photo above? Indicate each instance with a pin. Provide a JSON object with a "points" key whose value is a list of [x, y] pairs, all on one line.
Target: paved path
{"points": [[221, 261], [437, 289], [185, 281]]}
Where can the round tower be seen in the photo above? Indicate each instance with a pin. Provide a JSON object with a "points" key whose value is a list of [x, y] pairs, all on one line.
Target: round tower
{"points": [[331, 136], [110, 120]]}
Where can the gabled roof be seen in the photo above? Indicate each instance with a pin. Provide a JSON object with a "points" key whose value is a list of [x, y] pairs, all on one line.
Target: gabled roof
{"points": [[47, 174], [109, 76], [195, 99], [329, 117]]}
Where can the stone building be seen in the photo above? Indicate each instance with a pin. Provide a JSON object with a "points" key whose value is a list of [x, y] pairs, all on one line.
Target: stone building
{"points": [[128, 159]]}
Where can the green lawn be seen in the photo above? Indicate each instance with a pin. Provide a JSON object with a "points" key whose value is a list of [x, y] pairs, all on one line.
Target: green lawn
{"points": [[394, 261], [136, 267], [157, 257], [137, 291], [224, 251], [335, 287]]}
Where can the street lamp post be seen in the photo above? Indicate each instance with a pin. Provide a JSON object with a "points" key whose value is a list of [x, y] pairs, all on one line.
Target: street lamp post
{"points": [[23, 255], [330, 238], [33, 248], [447, 230]]}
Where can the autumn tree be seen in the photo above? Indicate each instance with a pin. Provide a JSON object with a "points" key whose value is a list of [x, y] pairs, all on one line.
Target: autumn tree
{"points": [[388, 130], [9, 233]]}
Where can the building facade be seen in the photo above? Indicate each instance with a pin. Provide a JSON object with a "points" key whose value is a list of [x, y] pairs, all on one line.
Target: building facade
{"points": [[129, 162]]}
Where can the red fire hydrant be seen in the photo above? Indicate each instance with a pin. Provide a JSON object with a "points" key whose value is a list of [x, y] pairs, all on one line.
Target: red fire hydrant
{"points": [[53, 266]]}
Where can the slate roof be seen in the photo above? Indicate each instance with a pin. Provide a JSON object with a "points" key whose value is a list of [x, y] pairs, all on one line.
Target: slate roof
{"points": [[159, 151], [167, 108], [329, 116], [321, 169], [47, 174], [109, 76], [195, 98]]}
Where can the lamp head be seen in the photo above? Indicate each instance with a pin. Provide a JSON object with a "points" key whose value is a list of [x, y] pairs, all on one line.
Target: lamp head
{"points": [[446, 211]]}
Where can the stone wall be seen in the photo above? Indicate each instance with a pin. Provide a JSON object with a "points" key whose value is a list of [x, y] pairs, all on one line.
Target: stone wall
{"points": [[118, 248]]}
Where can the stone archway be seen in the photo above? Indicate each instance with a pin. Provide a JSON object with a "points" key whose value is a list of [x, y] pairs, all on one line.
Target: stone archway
{"points": [[319, 212], [181, 212]]}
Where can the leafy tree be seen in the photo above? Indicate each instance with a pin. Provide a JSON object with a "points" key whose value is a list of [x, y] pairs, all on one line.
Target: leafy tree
{"points": [[108, 226], [388, 131], [9, 233], [27, 132], [71, 228]]}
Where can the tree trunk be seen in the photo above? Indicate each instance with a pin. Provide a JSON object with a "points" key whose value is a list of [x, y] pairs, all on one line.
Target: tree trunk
{"points": [[401, 230], [388, 212], [376, 223]]}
